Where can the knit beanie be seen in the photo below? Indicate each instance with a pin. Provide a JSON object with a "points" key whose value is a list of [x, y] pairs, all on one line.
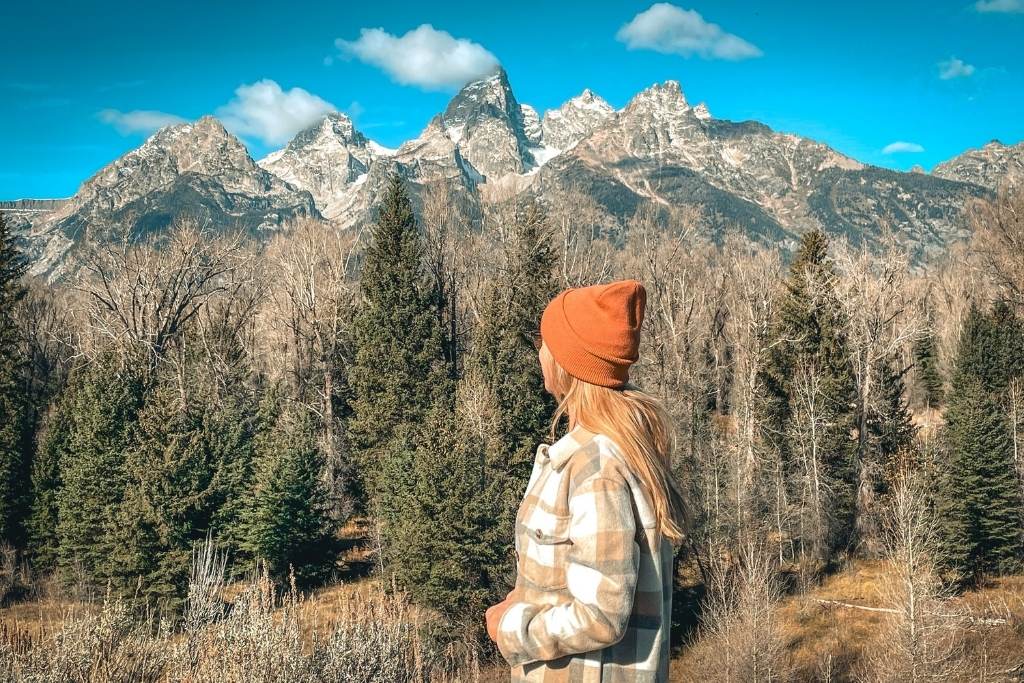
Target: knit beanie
{"points": [[594, 332]]}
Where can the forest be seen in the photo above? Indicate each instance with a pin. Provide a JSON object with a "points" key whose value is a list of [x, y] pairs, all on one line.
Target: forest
{"points": [[192, 423]]}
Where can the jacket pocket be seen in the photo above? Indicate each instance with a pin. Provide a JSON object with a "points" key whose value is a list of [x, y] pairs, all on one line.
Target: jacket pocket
{"points": [[544, 549]]}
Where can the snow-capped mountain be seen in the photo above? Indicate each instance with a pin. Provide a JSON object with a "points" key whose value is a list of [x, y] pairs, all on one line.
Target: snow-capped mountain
{"points": [[659, 149], [575, 120], [490, 128], [327, 159], [745, 176], [196, 169], [989, 166]]}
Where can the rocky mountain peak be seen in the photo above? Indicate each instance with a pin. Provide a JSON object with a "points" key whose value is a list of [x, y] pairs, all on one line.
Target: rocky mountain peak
{"points": [[575, 120], [333, 128], [327, 159], [664, 96], [490, 128], [701, 112], [487, 97], [531, 125], [989, 166]]}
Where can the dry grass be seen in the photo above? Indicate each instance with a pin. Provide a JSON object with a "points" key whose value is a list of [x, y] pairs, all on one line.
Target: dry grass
{"points": [[357, 631], [823, 642], [349, 633]]}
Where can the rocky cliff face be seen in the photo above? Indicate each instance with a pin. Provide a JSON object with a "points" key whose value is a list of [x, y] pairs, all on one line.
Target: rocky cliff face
{"points": [[194, 169], [575, 120], [744, 176], [328, 160], [490, 128], [658, 149], [989, 166]]}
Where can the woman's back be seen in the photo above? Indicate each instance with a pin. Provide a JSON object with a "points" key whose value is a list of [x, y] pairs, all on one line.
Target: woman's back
{"points": [[594, 585]]}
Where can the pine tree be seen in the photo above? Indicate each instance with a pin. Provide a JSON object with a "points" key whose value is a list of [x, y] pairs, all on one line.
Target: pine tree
{"points": [[507, 363], [287, 520], [926, 358], [891, 429], [168, 501], [980, 503], [811, 391], [231, 431], [15, 440], [398, 374], [46, 484], [516, 411], [449, 541], [102, 405]]}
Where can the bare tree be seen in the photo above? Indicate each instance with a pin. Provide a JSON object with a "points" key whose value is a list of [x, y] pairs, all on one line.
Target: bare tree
{"points": [[998, 227], [756, 482], [582, 234], [815, 488], [882, 324], [920, 641], [445, 223], [142, 295], [311, 305], [741, 640]]}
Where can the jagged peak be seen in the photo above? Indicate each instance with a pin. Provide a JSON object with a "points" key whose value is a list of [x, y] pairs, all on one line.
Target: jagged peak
{"points": [[332, 126], [702, 112], [662, 95], [588, 99], [494, 91], [205, 126]]}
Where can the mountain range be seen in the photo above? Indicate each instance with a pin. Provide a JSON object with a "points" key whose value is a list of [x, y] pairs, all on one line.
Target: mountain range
{"points": [[660, 149]]}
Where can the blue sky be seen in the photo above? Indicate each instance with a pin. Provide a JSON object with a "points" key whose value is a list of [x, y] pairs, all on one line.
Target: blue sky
{"points": [[82, 82]]}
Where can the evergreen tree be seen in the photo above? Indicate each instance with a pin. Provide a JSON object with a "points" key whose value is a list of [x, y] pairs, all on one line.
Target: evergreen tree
{"points": [[811, 398], [449, 541], [46, 484], [101, 408], [15, 441], [232, 430], [891, 429], [980, 503], [926, 358], [168, 500], [517, 410], [398, 374], [287, 521], [994, 348], [506, 361]]}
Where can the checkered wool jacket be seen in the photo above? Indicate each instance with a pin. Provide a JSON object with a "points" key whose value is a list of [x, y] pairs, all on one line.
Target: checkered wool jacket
{"points": [[593, 593]]}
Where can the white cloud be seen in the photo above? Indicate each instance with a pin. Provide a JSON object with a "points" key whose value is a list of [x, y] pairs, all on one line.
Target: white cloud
{"points": [[669, 29], [900, 147], [1010, 6], [424, 56], [263, 110], [138, 120], [955, 68]]}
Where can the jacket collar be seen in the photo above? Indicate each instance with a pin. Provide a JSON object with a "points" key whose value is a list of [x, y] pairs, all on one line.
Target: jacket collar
{"points": [[560, 451]]}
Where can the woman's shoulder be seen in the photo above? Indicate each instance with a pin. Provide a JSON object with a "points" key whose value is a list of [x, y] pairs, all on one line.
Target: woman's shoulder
{"points": [[597, 457]]}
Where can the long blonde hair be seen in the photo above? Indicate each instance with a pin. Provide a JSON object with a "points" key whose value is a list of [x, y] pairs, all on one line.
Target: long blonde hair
{"points": [[642, 429]]}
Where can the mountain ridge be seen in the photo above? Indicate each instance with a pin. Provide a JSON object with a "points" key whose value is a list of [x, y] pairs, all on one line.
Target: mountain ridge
{"points": [[657, 148]]}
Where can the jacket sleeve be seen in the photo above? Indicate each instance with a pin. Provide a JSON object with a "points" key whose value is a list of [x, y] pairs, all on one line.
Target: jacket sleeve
{"points": [[601, 577]]}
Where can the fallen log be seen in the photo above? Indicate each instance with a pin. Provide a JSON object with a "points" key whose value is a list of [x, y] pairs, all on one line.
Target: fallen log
{"points": [[982, 621]]}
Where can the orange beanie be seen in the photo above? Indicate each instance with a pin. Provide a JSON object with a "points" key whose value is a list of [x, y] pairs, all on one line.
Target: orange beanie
{"points": [[594, 332]]}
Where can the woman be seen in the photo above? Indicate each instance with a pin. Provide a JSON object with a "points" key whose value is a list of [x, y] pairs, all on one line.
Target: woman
{"points": [[594, 533]]}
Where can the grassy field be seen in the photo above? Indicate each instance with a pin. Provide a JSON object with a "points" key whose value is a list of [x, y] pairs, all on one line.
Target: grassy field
{"points": [[824, 632]]}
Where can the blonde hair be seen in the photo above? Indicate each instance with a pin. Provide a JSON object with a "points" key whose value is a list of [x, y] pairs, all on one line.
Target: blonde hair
{"points": [[641, 428]]}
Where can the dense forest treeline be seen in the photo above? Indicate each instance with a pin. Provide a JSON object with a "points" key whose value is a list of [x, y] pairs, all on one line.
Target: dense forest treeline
{"points": [[200, 385]]}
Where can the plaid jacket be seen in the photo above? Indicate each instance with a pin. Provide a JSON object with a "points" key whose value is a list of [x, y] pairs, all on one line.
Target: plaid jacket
{"points": [[593, 593]]}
